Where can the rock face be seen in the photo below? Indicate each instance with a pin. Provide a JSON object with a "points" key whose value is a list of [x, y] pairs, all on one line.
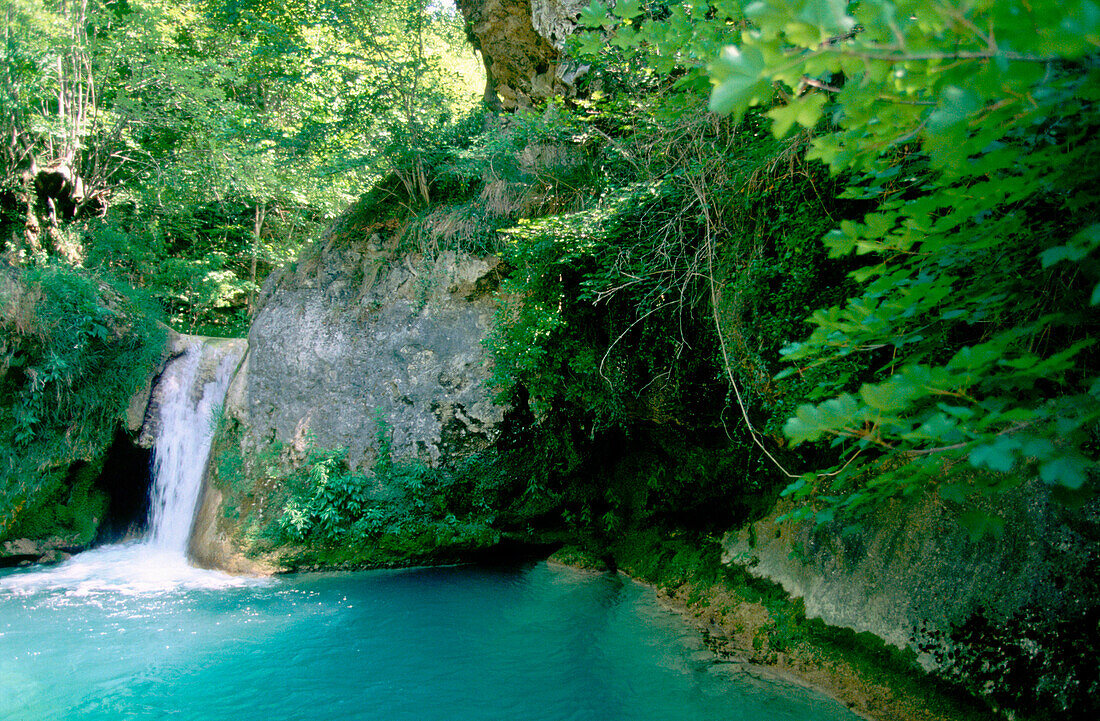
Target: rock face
{"points": [[915, 567], [520, 43], [355, 341], [351, 342]]}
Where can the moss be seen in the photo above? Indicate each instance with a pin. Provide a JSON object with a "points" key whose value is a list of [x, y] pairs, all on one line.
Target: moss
{"points": [[432, 544], [72, 510], [746, 617], [582, 557], [74, 351]]}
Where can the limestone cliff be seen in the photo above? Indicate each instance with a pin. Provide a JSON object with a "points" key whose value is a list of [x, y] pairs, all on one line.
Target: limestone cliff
{"points": [[352, 341], [356, 337], [911, 570]]}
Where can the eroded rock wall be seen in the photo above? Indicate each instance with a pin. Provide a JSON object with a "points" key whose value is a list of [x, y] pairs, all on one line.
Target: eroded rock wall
{"points": [[912, 570], [356, 340]]}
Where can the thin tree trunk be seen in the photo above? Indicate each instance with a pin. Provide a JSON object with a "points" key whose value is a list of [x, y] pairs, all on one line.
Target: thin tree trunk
{"points": [[257, 229]]}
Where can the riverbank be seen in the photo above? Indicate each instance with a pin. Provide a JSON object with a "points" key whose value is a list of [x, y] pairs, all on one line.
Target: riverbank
{"points": [[754, 626]]}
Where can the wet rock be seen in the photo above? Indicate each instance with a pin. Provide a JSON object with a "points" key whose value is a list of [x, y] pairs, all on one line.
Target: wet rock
{"points": [[25, 551]]}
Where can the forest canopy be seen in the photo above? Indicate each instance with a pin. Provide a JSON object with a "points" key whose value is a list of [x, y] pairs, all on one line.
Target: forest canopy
{"points": [[221, 134]]}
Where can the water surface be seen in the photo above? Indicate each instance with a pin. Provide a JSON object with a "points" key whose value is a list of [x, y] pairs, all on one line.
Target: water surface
{"points": [[531, 642]]}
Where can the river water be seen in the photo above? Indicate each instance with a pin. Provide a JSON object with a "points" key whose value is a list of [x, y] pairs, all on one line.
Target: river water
{"points": [[132, 631], [522, 642]]}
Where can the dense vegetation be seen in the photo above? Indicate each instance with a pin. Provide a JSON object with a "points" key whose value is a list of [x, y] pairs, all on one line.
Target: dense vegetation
{"points": [[72, 353], [842, 251], [158, 160], [188, 148]]}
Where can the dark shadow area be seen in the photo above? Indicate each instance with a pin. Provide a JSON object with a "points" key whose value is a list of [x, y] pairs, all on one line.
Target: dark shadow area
{"points": [[125, 479]]}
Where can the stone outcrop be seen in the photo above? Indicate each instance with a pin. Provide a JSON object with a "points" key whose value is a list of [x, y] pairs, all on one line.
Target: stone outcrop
{"points": [[520, 43], [912, 570], [556, 20], [24, 551], [352, 341], [356, 340]]}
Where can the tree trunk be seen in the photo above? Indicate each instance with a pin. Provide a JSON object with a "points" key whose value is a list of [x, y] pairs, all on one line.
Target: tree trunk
{"points": [[257, 229]]}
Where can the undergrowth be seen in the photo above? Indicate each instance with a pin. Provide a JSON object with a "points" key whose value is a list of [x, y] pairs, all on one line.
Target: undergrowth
{"points": [[311, 508], [73, 351]]}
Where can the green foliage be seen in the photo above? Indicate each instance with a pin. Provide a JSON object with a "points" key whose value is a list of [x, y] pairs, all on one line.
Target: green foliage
{"points": [[963, 356], [212, 138], [325, 498], [584, 329], [73, 352], [312, 503], [971, 316], [1033, 662], [703, 250], [70, 506]]}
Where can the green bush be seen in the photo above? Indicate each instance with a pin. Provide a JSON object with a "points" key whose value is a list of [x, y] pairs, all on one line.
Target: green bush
{"points": [[317, 505]]}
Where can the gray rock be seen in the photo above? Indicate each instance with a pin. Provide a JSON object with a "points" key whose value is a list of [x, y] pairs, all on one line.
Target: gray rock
{"points": [[520, 42], [47, 550], [358, 341], [912, 565]]}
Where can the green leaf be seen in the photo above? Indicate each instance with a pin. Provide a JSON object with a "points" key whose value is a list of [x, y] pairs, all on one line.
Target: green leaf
{"points": [[976, 357], [793, 487], [979, 524], [627, 9], [739, 80], [953, 492], [785, 373], [894, 395], [999, 455], [812, 422], [589, 43], [939, 429], [956, 106], [1069, 470], [1050, 256], [625, 38], [596, 16], [825, 515], [960, 412], [804, 110], [829, 16]]}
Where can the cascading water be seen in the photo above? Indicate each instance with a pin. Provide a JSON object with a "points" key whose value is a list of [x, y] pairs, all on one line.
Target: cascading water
{"points": [[181, 448], [190, 391]]}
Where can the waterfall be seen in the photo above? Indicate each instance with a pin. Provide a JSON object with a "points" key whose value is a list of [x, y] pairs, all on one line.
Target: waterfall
{"points": [[188, 394], [184, 435]]}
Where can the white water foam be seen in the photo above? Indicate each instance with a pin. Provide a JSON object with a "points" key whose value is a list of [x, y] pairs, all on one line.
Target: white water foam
{"points": [[181, 448], [157, 563]]}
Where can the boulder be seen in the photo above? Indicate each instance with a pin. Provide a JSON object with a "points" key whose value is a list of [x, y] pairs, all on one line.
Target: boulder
{"points": [[910, 571], [357, 341]]}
